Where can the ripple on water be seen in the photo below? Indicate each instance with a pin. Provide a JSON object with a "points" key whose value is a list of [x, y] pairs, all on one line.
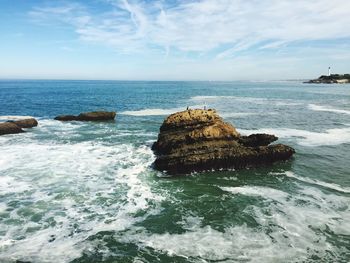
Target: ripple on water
{"points": [[291, 228], [55, 195]]}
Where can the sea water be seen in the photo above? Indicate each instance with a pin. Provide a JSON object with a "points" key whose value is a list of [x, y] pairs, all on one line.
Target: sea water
{"points": [[86, 191]]}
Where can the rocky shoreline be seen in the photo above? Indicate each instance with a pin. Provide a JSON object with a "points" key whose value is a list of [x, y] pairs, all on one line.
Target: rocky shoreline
{"points": [[331, 79], [199, 140]]}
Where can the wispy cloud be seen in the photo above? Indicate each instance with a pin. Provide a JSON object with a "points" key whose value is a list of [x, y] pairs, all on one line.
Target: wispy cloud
{"points": [[224, 26]]}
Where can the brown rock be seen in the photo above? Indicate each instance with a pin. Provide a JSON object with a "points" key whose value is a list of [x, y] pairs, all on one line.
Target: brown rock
{"points": [[9, 128], [259, 139], [26, 123], [199, 140], [66, 118], [88, 116], [97, 116]]}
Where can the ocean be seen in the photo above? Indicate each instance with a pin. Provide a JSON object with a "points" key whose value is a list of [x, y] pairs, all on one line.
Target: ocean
{"points": [[86, 192]]}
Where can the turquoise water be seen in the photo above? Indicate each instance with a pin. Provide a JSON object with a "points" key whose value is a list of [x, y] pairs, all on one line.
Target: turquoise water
{"points": [[86, 192]]}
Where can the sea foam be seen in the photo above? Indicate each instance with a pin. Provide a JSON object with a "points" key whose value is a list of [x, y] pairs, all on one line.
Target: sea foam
{"points": [[289, 229], [14, 117], [257, 191], [160, 112], [255, 100], [315, 107], [68, 191], [332, 186], [308, 138], [152, 112]]}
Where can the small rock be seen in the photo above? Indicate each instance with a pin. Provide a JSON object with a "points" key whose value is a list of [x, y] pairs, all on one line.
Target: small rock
{"points": [[9, 128], [88, 116], [26, 123], [259, 139]]}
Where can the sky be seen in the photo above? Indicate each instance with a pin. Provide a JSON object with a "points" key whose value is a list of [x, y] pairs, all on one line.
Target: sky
{"points": [[173, 40]]}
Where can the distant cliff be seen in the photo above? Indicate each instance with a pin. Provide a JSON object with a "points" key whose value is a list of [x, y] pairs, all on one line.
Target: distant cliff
{"points": [[334, 78]]}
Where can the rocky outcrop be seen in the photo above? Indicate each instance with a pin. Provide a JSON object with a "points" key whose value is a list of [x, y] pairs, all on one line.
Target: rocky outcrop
{"points": [[12, 127], [26, 123], [89, 116], [332, 79], [9, 128], [199, 140]]}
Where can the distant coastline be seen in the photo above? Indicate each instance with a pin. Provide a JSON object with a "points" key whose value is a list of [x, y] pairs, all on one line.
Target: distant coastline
{"points": [[331, 79]]}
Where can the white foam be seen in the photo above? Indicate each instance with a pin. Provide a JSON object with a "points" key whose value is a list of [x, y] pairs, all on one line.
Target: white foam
{"points": [[244, 114], [209, 244], [326, 210], [67, 183], [211, 99], [161, 112], [3, 207], [315, 182], [286, 232], [255, 100], [14, 117], [237, 114], [10, 184], [307, 138], [268, 192], [152, 112], [191, 222], [281, 237], [315, 107], [288, 229]]}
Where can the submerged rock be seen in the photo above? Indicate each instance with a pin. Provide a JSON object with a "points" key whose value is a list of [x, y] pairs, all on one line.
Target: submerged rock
{"points": [[9, 128], [89, 116], [199, 140]]}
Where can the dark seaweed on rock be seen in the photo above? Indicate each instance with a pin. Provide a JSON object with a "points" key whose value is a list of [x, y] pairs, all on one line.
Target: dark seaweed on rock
{"points": [[199, 140]]}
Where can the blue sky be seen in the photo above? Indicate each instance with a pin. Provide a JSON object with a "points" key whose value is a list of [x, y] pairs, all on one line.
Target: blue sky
{"points": [[173, 40]]}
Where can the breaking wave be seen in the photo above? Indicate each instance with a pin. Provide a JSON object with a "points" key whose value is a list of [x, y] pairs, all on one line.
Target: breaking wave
{"points": [[315, 107], [307, 138]]}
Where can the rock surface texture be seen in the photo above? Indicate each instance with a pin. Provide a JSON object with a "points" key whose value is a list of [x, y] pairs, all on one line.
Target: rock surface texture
{"points": [[26, 123], [9, 128], [199, 140], [12, 127], [89, 116]]}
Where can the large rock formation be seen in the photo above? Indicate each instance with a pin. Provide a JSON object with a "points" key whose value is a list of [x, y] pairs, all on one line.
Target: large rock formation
{"points": [[199, 140], [88, 116]]}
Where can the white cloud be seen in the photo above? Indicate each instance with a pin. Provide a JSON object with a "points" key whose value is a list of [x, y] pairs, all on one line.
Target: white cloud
{"points": [[205, 25]]}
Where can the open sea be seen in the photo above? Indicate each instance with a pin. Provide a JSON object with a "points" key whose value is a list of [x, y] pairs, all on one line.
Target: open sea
{"points": [[86, 192]]}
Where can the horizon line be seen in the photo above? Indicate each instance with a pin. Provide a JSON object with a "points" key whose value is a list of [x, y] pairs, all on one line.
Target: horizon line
{"points": [[144, 80]]}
